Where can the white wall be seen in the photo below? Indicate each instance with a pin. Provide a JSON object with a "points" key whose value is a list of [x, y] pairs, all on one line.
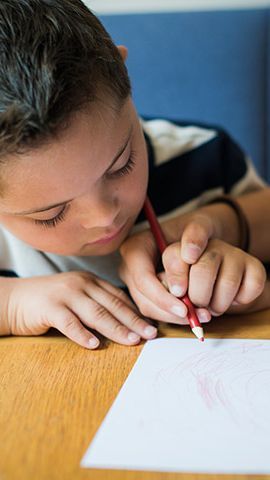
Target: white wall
{"points": [[125, 6]]}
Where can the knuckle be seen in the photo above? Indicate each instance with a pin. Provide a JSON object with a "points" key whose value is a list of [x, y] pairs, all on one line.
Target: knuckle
{"points": [[135, 320], [217, 309], [69, 323], [166, 255], [119, 330], [254, 283], [196, 230], [229, 283], [144, 309], [256, 286], [116, 303], [200, 273], [260, 274], [73, 281], [99, 312], [199, 300], [199, 228], [212, 256], [200, 293], [205, 268], [171, 254], [123, 297]]}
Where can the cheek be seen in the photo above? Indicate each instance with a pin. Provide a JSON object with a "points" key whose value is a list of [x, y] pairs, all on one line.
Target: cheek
{"points": [[142, 179], [37, 237], [138, 181]]}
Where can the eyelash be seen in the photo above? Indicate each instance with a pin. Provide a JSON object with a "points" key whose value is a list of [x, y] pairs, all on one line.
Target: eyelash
{"points": [[125, 170], [52, 222]]}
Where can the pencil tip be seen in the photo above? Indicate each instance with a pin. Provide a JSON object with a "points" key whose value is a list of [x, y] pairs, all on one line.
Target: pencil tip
{"points": [[198, 332]]}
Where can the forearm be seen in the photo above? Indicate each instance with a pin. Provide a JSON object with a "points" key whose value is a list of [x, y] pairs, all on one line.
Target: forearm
{"points": [[225, 223], [256, 207], [221, 217]]}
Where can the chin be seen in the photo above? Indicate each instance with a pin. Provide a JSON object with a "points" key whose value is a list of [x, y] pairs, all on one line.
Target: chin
{"points": [[99, 251]]}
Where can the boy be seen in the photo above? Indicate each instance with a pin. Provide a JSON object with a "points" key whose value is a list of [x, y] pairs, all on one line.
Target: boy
{"points": [[75, 168]]}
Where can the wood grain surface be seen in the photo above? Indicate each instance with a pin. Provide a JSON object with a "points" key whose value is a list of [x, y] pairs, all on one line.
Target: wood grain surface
{"points": [[55, 394]]}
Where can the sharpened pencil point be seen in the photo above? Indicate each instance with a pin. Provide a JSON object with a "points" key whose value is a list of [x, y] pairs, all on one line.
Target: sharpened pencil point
{"points": [[198, 332]]}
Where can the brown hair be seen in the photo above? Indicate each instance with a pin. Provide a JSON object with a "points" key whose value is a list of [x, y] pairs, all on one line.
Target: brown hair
{"points": [[55, 58]]}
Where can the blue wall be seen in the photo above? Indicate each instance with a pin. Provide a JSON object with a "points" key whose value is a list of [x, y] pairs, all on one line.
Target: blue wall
{"points": [[202, 66]]}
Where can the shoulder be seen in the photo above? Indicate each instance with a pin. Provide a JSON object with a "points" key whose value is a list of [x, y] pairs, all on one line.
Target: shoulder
{"points": [[171, 138], [190, 163]]}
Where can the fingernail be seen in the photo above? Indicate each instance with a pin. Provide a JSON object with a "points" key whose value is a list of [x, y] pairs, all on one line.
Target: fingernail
{"points": [[150, 331], [176, 290], [179, 311], [204, 317], [133, 337], [93, 343], [235, 303]]}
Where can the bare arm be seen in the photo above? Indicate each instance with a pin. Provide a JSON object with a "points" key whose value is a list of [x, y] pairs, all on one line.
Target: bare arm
{"points": [[256, 207], [220, 221]]}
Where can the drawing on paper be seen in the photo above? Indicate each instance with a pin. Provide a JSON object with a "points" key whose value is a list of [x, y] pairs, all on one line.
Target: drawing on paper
{"points": [[228, 385]]}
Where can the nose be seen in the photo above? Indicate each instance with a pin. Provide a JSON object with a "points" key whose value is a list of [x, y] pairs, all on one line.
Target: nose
{"points": [[98, 213]]}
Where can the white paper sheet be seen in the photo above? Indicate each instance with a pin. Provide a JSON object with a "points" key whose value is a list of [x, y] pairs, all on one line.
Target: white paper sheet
{"points": [[189, 406]]}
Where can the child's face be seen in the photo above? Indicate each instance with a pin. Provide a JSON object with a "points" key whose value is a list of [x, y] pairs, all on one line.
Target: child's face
{"points": [[81, 194]]}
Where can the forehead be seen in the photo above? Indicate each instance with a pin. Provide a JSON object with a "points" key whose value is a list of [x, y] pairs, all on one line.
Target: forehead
{"points": [[90, 140]]}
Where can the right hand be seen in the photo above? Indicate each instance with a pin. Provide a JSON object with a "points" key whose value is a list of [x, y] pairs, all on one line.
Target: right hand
{"points": [[69, 302]]}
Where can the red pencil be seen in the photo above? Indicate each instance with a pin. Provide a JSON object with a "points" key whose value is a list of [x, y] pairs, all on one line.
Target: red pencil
{"points": [[162, 244]]}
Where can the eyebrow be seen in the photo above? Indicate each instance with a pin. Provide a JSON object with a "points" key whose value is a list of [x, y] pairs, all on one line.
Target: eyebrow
{"points": [[50, 207]]}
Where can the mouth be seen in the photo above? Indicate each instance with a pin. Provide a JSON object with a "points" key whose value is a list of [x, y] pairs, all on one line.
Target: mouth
{"points": [[108, 238]]}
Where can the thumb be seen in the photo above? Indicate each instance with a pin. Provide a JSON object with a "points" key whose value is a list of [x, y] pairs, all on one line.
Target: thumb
{"points": [[195, 238]]}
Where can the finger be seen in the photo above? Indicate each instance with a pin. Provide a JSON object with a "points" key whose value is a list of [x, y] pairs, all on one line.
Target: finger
{"points": [[138, 251], [202, 277], [126, 315], [152, 289], [69, 324], [176, 270], [195, 238], [97, 317], [227, 284], [151, 310], [203, 315], [117, 292], [253, 282], [145, 280]]}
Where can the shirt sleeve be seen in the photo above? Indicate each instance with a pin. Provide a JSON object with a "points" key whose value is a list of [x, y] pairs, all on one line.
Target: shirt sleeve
{"points": [[191, 164], [238, 172]]}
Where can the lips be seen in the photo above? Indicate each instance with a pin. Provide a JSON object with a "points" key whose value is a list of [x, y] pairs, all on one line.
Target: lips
{"points": [[109, 237]]}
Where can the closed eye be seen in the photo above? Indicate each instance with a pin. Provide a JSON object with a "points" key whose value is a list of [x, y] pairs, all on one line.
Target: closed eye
{"points": [[52, 222], [60, 217], [126, 169]]}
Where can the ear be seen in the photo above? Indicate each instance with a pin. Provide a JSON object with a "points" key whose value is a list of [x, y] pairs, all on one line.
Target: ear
{"points": [[123, 52]]}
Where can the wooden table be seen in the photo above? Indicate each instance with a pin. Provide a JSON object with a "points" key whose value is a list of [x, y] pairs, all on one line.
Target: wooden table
{"points": [[55, 394]]}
